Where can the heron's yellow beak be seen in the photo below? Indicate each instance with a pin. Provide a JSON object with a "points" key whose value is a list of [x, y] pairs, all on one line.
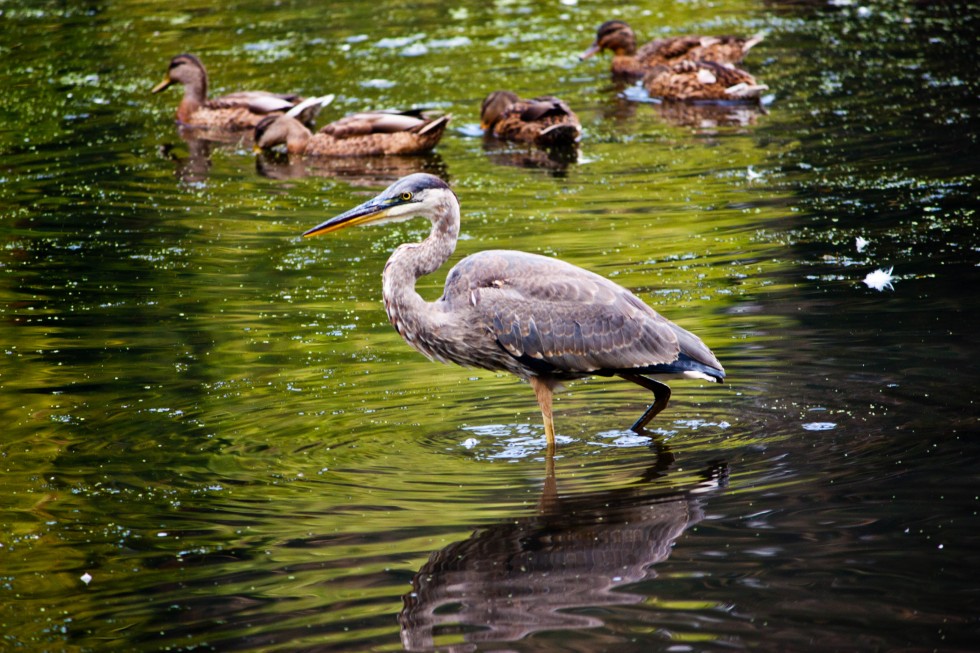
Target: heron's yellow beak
{"points": [[162, 85], [371, 211]]}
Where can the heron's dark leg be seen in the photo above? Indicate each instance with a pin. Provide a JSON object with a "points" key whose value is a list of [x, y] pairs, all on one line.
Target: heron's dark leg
{"points": [[543, 392], [661, 394]]}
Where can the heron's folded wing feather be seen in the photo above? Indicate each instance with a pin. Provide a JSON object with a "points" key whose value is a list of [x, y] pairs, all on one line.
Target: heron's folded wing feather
{"points": [[565, 317]]}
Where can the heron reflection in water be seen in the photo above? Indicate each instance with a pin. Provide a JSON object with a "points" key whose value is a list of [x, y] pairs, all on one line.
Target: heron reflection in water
{"points": [[558, 570], [540, 318]]}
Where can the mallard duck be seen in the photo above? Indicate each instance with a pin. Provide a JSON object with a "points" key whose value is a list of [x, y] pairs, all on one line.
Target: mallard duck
{"points": [[702, 81], [369, 133], [618, 37], [544, 121], [236, 111]]}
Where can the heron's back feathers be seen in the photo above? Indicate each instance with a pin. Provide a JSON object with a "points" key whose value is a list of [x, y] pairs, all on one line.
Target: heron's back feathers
{"points": [[557, 319]]}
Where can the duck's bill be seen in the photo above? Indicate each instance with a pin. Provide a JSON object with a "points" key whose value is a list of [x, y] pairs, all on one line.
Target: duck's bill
{"points": [[162, 85], [593, 49]]}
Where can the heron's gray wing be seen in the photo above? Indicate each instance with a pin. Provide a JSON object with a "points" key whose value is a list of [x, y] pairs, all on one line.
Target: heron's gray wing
{"points": [[559, 317]]}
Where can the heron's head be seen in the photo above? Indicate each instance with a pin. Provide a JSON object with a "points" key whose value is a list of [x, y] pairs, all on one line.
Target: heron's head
{"points": [[184, 69], [419, 194], [614, 35]]}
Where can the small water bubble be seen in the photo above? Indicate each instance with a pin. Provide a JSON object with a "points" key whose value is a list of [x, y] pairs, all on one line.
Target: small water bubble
{"points": [[819, 426]]}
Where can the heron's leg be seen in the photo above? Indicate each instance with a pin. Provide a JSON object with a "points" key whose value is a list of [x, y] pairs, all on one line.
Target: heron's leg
{"points": [[542, 390], [661, 394]]}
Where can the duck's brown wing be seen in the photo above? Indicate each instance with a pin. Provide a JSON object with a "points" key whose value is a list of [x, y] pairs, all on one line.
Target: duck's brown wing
{"points": [[373, 122], [544, 107], [256, 101]]}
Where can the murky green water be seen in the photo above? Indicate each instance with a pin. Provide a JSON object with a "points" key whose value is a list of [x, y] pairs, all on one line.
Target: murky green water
{"points": [[211, 421]]}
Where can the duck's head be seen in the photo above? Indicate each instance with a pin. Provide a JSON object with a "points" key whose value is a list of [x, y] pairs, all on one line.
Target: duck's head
{"points": [[494, 106], [184, 69], [615, 36], [275, 130]]}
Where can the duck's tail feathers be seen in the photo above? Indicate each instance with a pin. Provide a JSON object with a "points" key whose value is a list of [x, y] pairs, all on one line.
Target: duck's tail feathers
{"points": [[436, 125], [559, 135], [753, 41], [307, 110], [745, 91]]}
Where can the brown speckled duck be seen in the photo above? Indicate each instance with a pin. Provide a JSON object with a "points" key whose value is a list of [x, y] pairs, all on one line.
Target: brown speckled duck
{"points": [[628, 61], [543, 121], [233, 112], [370, 133], [702, 81]]}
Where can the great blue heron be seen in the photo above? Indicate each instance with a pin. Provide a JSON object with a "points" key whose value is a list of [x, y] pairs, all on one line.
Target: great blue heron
{"points": [[540, 318]]}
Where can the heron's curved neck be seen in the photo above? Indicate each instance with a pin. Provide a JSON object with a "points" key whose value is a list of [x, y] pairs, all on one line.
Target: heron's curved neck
{"points": [[406, 308]]}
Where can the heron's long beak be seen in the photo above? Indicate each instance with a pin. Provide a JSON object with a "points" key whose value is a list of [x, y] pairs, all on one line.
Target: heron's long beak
{"points": [[591, 51], [162, 85], [371, 211]]}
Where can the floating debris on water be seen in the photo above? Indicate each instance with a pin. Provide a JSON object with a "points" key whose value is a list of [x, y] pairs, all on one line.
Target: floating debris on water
{"points": [[880, 279], [860, 243]]}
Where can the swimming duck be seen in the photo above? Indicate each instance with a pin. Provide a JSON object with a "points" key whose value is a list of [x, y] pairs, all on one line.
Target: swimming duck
{"points": [[618, 37], [544, 121], [702, 81], [368, 133], [236, 111]]}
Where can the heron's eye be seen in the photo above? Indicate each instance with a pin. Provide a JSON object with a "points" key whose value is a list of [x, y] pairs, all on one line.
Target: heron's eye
{"points": [[406, 196]]}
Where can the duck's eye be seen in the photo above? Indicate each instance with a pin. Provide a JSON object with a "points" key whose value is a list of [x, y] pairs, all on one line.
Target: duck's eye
{"points": [[406, 196]]}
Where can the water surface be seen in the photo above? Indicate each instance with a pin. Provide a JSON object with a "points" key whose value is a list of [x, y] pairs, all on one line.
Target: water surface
{"points": [[215, 441]]}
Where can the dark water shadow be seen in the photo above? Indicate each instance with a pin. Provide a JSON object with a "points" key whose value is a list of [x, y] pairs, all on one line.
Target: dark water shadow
{"points": [[554, 570]]}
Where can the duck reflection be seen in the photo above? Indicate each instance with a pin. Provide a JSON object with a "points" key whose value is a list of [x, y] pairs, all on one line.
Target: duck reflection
{"points": [[358, 171], [708, 116], [195, 166], [528, 575], [555, 160]]}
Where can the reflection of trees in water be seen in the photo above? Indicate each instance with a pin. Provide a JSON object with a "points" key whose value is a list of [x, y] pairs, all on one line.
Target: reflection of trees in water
{"points": [[513, 579]]}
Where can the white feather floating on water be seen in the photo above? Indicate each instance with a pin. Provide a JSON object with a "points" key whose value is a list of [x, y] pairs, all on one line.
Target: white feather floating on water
{"points": [[880, 279], [861, 243]]}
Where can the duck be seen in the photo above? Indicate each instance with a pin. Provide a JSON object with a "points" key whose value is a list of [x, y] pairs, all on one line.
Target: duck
{"points": [[233, 112], [628, 61], [544, 121], [368, 133], [702, 81]]}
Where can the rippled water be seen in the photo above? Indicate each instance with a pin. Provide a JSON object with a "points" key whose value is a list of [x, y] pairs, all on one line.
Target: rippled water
{"points": [[215, 441]]}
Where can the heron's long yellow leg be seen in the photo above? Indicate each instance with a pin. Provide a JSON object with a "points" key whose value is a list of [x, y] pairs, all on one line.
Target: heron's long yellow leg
{"points": [[543, 393]]}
